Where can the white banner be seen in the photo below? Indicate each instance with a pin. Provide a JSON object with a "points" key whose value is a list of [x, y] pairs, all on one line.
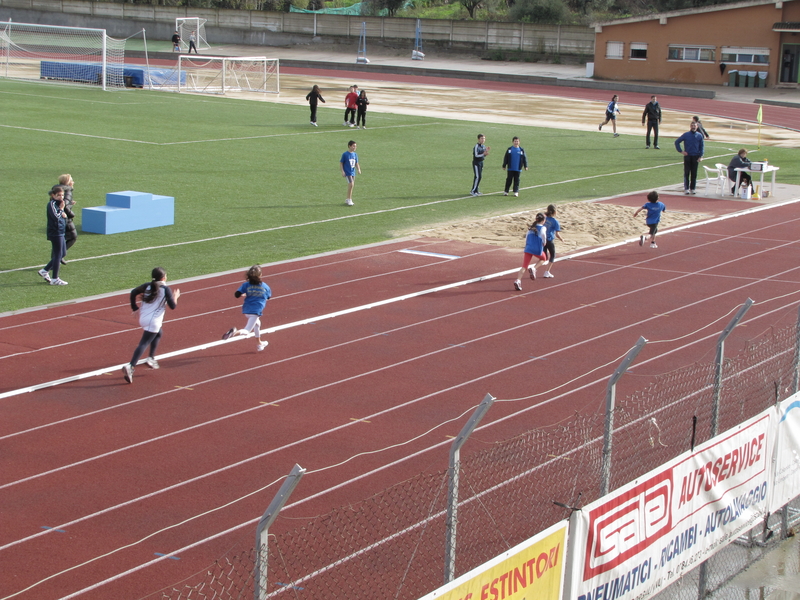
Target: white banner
{"points": [[640, 538], [787, 454]]}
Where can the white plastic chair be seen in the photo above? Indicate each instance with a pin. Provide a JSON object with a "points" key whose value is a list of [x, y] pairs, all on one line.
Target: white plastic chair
{"points": [[727, 184], [714, 174]]}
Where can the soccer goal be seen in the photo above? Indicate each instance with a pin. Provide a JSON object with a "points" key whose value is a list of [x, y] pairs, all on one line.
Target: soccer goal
{"points": [[65, 54], [224, 75], [188, 26]]}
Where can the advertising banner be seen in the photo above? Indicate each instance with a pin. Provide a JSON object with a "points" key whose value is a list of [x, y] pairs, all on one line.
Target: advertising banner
{"points": [[787, 454], [532, 570], [640, 538]]}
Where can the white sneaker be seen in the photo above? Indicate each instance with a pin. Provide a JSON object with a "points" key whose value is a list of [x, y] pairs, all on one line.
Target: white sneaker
{"points": [[45, 275], [127, 372], [505, 193], [349, 202], [152, 362], [473, 193], [532, 273], [229, 333], [346, 124], [262, 345], [516, 194], [364, 127], [653, 245], [57, 281], [548, 275], [314, 124], [518, 285]]}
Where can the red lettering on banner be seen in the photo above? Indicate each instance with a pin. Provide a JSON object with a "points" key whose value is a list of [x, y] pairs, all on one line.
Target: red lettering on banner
{"points": [[541, 565]]}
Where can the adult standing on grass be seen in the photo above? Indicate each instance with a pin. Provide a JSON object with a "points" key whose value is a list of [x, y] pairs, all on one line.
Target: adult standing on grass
{"points": [[553, 231], [56, 226], [70, 232], [192, 40], [515, 160], [479, 153], [155, 297], [350, 165], [654, 208], [612, 110], [314, 97], [693, 149], [361, 109], [256, 293], [350, 106], [652, 114], [535, 240]]}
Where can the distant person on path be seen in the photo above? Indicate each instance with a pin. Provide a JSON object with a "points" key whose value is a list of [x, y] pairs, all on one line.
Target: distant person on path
{"points": [[350, 165], [612, 110], [155, 297], [350, 104], [313, 98], [56, 226], [700, 128], [256, 293], [176, 42], [693, 149], [70, 232], [740, 161], [515, 160], [535, 241], [479, 153], [361, 108], [652, 115], [192, 40], [553, 231], [654, 209]]}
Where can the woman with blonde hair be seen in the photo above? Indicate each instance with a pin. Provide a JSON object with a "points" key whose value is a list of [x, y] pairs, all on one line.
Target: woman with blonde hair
{"points": [[70, 232]]}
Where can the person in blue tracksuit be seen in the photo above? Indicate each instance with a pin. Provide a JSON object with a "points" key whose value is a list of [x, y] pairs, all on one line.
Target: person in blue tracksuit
{"points": [[612, 110], [513, 162], [535, 242], [256, 293], [693, 150], [56, 227], [479, 152]]}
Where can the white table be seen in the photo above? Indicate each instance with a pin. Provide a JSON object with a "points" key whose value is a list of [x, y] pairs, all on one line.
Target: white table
{"points": [[769, 168]]}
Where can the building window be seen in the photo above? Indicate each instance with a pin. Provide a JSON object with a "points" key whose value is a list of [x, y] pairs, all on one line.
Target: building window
{"points": [[692, 53], [746, 56], [638, 51], [615, 50]]}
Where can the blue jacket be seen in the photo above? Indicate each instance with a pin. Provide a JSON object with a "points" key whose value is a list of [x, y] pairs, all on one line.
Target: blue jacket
{"points": [[56, 224], [692, 143], [515, 159]]}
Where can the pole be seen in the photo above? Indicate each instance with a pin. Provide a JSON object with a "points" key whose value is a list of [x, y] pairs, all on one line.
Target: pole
{"points": [[452, 487], [147, 60], [718, 366], [611, 390]]}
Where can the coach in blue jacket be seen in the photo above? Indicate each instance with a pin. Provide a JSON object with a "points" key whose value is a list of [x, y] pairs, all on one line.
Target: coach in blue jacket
{"points": [[693, 149]]}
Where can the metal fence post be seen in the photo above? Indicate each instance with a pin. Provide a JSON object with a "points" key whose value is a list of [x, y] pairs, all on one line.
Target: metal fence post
{"points": [[262, 530], [452, 487], [718, 366], [608, 431]]}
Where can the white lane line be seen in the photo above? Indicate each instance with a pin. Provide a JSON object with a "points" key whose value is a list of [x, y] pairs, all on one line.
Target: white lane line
{"points": [[433, 254]]}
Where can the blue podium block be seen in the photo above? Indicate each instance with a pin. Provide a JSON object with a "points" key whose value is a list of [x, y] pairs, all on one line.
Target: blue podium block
{"points": [[129, 211]]}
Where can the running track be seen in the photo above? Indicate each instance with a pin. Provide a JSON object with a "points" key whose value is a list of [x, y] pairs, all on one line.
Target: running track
{"points": [[103, 464]]}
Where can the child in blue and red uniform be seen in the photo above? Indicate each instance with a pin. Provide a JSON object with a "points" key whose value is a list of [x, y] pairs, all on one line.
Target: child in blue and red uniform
{"points": [[534, 248], [256, 293], [654, 209]]}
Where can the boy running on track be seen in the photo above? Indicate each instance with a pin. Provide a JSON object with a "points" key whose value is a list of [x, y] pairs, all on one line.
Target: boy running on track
{"points": [[156, 296], [654, 209], [534, 248], [256, 293]]}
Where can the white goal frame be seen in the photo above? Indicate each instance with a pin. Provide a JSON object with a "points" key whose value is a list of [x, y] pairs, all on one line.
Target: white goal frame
{"points": [[227, 74], [186, 25], [76, 55]]}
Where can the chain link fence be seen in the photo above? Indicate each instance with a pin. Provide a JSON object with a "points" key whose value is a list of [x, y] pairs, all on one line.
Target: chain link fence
{"points": [[392, 545]]}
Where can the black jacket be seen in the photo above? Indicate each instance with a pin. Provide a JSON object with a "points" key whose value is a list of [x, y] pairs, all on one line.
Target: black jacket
{"points": [[652, 112]]}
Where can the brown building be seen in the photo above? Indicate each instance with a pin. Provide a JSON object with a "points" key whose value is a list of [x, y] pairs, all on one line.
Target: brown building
{"points": [[703, 45]]}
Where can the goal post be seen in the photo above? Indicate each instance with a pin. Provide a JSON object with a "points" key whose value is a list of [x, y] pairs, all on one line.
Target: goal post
{"points": [[65, 54], [227, 74], [187, 26]]}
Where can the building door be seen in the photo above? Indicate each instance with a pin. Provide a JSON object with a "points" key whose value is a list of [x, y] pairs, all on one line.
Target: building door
{"points": [[790, 58]]}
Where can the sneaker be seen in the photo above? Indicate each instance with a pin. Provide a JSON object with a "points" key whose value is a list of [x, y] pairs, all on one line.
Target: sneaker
{"points": [[349, 202], [262, 345], [44, 275], [656, 147], [152, 363], [505, 193], [57, 281], [473, 193], [532, 273], [692, 192], [364, 127], [653, 245], [647, 147], [616, 135], [314, 124], [548, 275], [127, 372], [516, 194], [686, 192], [63, 261], [478, 194], [518, 285], [346, 124], [641, 240], [229, 333], [600, 128]]}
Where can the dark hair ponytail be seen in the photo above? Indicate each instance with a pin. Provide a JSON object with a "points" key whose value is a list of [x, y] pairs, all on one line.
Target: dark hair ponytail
{"points": [[151, 292]]}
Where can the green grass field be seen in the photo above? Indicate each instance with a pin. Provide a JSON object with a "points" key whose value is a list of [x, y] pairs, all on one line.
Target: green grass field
{"points": [[236, 167]]}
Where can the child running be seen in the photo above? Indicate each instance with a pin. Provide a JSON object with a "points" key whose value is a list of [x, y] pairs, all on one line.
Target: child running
{"points": [[534, 248], [612, 110], [256, 293], [156, 296], [553, 232], [654, 209]]}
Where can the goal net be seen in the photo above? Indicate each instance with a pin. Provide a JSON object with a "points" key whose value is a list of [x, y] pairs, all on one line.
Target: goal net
{"points": [[65, 54], [189, 26], [223, 75]]}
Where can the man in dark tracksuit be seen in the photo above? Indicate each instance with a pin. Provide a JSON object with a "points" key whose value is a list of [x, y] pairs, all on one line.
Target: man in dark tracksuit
{"points": [[693, 149], [479, 152], [652, 114]]}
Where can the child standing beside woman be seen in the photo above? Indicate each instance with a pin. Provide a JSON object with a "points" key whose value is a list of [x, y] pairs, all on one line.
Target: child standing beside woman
{"points": [[361, 109], [256, 293], [535, 242]]}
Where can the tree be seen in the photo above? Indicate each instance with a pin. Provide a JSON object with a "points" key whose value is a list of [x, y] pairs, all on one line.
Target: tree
{"points": [[471, 6], [546, 12]]}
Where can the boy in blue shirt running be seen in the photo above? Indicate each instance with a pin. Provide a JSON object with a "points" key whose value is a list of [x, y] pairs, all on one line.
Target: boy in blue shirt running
{"points": [[654, 209], [349, 164], [256, 293], [516, 160]]}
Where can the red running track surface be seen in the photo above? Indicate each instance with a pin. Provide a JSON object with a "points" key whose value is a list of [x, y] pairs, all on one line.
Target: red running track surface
{"points": [[107, 464]]}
